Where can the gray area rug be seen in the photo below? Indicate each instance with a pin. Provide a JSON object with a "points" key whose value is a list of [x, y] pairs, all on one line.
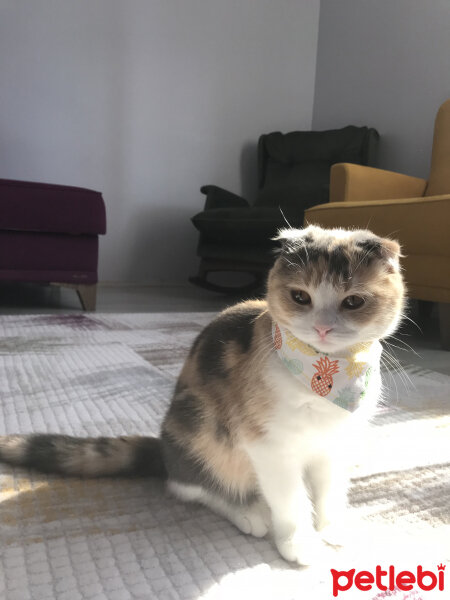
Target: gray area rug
{"points": [[117, 539]]}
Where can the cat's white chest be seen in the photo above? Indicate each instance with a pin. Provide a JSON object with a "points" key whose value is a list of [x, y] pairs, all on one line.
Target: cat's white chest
{"points": [[301, 423]]}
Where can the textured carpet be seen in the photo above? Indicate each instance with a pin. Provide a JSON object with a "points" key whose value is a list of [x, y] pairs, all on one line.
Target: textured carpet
{"points": [[117, 539]]}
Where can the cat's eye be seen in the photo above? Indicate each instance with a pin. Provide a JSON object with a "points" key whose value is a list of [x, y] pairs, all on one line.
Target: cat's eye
{"points": [[301, 297], [353, 302]]}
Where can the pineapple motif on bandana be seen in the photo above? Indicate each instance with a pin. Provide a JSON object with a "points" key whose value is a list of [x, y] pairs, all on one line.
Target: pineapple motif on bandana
{"points": [[342, 379], [322, 380]]}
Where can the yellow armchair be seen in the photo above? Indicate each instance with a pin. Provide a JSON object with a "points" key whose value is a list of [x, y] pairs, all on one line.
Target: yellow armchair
{"points": [[355, 182], [413, 210]]}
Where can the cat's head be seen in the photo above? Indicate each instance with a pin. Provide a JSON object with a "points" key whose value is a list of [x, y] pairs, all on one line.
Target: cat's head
{"points": [[333, 288]]}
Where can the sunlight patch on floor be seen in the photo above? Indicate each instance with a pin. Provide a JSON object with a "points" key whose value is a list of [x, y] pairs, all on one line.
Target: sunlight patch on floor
{"points": [[11, 487], [368, 546], [420, 440]]}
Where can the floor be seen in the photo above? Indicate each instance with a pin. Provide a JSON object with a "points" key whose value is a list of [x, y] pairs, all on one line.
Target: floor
{"points": [[416, 344], [21, 298], [113, 538]]}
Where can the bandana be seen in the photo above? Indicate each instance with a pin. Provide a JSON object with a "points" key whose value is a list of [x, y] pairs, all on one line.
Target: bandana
{"points": [[342, 378]]}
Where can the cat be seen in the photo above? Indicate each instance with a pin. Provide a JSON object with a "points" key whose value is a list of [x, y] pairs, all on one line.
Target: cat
{"points": [[259, 429]]}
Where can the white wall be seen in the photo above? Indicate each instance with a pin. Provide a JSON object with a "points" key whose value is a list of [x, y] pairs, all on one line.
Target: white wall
{"points": [[146, 100], [385, 63]]}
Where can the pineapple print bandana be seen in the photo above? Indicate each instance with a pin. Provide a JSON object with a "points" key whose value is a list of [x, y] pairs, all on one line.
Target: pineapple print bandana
{"points": [[341, 378]]}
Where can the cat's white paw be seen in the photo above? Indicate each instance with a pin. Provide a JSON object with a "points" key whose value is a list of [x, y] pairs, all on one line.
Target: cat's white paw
{"points": [[252, 520], [300, 548]]}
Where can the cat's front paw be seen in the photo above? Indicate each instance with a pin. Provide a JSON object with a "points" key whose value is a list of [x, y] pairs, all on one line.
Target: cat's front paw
{"points": [[253, 520], [301, 548]]}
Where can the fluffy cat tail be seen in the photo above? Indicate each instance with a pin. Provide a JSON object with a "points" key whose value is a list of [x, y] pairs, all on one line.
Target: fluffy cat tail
{"points": [[84, 457]]}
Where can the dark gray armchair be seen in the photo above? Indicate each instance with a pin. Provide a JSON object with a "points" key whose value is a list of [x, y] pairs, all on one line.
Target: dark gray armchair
{"points": [[293, 175]]}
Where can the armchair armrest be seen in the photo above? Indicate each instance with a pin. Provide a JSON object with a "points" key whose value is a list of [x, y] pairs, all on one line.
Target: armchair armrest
{"points": [[217, 197], [350, 183], [421, 224]]}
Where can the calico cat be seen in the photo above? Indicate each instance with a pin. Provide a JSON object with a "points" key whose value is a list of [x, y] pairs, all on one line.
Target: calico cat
{"points": [[267, 411]]}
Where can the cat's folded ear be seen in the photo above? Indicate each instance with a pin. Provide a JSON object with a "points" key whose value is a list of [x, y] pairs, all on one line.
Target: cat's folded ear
{"points": [[391, 252], [288, 234], [289, 239]]}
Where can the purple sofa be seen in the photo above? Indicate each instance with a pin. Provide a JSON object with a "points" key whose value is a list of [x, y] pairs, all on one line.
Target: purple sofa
{"points": [[49, 233]]}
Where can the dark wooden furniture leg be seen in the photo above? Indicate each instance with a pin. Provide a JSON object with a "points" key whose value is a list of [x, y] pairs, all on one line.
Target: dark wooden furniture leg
{"points": [[444, 324]]}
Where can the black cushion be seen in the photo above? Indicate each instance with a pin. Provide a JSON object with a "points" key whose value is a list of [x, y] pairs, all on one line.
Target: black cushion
{"points": [[296, 187], [243, 225], [334, 145], [296, 166]]}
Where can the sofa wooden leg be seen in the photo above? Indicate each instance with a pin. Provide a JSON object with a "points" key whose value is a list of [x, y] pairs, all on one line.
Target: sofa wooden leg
{"points": [[444, 324], [87, 294]]}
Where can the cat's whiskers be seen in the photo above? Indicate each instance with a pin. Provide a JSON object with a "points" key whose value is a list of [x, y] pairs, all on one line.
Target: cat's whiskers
{"points": [[403, 316], [400, 341], [284, 217], [387, 369], [398, 369], [263, 351]]}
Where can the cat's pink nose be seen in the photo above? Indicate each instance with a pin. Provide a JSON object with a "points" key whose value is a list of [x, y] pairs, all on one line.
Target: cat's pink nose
{"points": [[322, 330]]}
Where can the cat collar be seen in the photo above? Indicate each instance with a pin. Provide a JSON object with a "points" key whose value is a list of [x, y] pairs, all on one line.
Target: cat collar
{"points": [[342, 378]]}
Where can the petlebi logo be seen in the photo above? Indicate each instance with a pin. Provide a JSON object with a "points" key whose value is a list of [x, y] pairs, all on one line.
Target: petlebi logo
{"points": [[389, 579]]}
